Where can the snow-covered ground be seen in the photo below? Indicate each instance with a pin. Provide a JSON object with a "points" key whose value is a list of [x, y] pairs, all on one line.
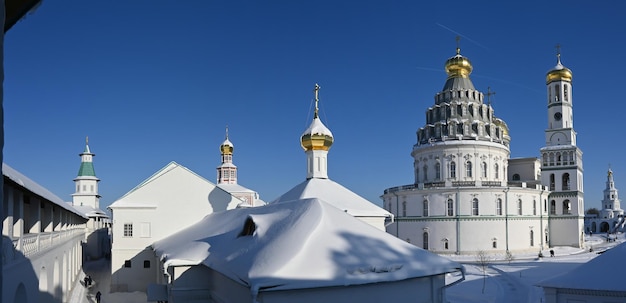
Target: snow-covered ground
{"points": [[516, 281], [505, 281]]}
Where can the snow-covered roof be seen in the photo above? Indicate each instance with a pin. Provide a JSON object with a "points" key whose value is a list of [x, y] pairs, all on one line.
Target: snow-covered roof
{"points": [[300, 244], [37, 189], [234, 188], [126, 202], [336, 195], [593, 274], [90, 211]]}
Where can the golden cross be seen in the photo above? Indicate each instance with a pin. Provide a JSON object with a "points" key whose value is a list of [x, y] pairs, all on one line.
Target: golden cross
{"points": [[317, 100], [458, 45]]}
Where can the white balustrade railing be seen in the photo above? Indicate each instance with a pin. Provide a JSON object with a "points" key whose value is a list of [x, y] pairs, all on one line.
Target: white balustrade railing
{"points": [[32, 244]]}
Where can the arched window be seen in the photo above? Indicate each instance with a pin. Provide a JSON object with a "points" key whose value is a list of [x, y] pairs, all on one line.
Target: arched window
{"points": [[566, 93], [445, 244], [425, 169], [519, 206], [468, 169], [551, 181], [453, 170], [417, 175], [532, 238], [483, 168], [425, 208], [425, 238], [516, 177], [567, 207], [404, 208], [558, 159], [496, 171], [494, 243], [566, 182], [475, 207], [553, 207], [450, 207], [499, 207], [437, 171]]}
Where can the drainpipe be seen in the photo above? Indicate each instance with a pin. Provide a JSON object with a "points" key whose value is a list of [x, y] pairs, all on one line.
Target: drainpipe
{"points": [[506, 216], [397, 222], [462, 269], [458, 221], [541, 216]]}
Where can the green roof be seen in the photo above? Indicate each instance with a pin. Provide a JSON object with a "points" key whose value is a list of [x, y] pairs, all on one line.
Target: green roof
{"points": [[86, 169]]}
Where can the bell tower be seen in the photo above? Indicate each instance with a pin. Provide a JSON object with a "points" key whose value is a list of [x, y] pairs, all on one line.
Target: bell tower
{"points": [[562, 164]]}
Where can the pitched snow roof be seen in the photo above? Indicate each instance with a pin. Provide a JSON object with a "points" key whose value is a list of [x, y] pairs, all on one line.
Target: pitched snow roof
{"points": [[336, 195], [37, 189], [90, 211], [129, 200], [593, 274], [300, 244]]}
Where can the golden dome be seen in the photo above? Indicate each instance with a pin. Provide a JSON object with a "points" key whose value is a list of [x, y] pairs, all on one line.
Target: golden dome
{"points": [[559, 72], [317, 137], [226, 148], [505, 128], [458, 66]]}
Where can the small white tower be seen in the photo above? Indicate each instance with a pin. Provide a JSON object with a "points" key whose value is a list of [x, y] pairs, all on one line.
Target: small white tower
{"points": [[86, 181], [611, 207], [227, 171], [316, 141]]}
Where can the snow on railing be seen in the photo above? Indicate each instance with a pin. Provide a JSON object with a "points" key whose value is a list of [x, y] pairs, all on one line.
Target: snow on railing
{"points": [[32, 244]]}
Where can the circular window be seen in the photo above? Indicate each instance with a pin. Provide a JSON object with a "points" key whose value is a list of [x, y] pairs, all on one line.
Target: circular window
{"points": [[557, 116]]}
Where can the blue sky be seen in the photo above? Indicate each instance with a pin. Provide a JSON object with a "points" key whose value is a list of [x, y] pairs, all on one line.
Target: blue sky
{"points": [[157, 81]]}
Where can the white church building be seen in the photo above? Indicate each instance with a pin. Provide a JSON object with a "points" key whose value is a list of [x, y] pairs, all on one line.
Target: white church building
{"points": [[172, 199], [468, 195], [611, 216]]}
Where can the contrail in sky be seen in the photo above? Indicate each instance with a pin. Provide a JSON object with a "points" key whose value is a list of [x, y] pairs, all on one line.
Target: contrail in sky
{"points": [[461, 35]]}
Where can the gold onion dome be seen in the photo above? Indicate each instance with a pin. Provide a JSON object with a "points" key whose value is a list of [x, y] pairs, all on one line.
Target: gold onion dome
{"points": [[226, 148], [458, 66], [559, 72], [505, 128], [317, 136]]}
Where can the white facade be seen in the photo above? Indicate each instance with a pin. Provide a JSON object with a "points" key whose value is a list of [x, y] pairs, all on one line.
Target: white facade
{"points": [[42, 237], [468, 195], [170, 200]]}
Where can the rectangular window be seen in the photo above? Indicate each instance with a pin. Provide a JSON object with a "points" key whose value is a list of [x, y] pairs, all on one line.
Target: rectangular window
{"points": [[146, 264], [145, 229], [499, 207], [128, 229], [450, 208], [127, 264]]}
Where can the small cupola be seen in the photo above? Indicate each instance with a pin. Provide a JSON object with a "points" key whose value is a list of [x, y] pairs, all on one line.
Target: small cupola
{"points": [[317, 136], [559, 72]]}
